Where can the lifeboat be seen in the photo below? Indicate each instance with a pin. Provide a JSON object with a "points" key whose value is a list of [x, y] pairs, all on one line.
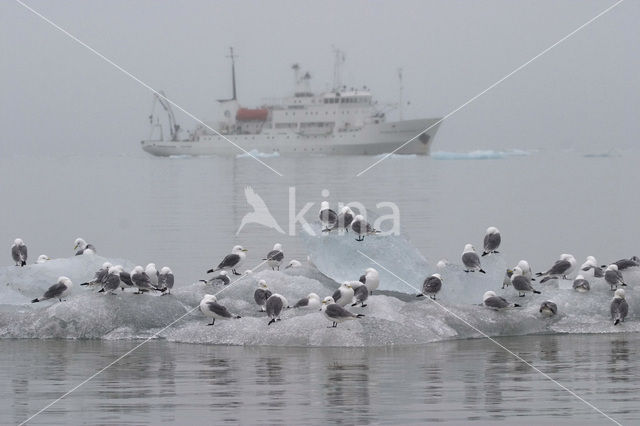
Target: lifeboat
{"points": [[246, 114]]}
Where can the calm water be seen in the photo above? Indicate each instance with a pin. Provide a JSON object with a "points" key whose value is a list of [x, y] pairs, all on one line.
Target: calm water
{"points": [[468, 380], [185, 212]]}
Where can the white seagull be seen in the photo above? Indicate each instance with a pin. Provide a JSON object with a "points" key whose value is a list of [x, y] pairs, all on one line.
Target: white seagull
{"points": [[56, 291], [19, 252]]}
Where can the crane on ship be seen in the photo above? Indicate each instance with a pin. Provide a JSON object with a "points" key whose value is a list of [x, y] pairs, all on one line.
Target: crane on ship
{"points": [[174, 128]]}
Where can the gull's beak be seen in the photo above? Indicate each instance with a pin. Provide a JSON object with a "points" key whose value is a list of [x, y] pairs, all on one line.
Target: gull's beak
{"points": [[245, 250], [75, 247]]}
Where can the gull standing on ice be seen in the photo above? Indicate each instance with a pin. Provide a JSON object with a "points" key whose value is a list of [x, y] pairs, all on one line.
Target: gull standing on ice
{"points": [[492, 301], [506, 281], [210, 307], [112, 280], [125, 279], [312, 301], [261, 294], [613, 277], [492, 241], [56, 291], [345, 217], [371, 279], [166, 279], [42, 258], [141, 280], [521, 283], [619, 307], [336, 313], [328, 218], [591, 263], [19, 252], [81, 246], [431, 286], [343, 296], [360, 293], [232, 261], [548, 308], [362, 228], [152, 273], [581, 285], [275, 305], [100, 275], [471, 260], [563, 267], [274, 257]]}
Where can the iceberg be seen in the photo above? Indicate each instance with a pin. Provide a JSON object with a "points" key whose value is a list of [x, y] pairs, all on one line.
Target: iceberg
{"points": [[394, 316]]}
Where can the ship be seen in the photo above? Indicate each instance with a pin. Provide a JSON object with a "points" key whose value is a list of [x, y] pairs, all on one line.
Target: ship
{"points": [[340, 121]]}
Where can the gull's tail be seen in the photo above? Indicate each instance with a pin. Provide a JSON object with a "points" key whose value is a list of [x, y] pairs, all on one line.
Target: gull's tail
{"points": [[35, 300], [536, 292]]}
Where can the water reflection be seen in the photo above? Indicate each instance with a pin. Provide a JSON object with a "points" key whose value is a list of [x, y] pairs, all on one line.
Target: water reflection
{"points": [[455, 381]]}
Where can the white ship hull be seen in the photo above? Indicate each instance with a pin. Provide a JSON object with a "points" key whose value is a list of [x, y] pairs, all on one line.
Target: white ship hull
{"points": [[372, 139]]}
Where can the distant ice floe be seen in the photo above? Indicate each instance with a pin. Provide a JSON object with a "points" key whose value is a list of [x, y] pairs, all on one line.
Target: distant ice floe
{"points": [[257, 154], [393, 315], [479, 155]]}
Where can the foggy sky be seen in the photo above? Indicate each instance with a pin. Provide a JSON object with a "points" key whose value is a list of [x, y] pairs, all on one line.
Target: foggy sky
{"points": [[59, 97]]}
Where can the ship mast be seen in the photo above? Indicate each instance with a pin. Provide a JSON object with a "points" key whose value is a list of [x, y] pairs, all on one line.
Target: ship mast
{"points": [[400, 93], [233, 72], [337, 68]]}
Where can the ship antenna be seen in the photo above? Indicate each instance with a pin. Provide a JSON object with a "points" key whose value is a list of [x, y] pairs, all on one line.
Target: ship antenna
{"points": [[233, 71], [337, 68]]}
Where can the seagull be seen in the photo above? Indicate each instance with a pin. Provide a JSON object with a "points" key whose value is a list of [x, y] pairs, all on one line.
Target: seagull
{"points": [[261, 294], [328, 217], [343, 296], [548, 308], [471, 260], [232, 261], [142, 281], [100, 275], [581, 285], [344, 219], [312, 301], [360, 293], [275, 305], [613, 277], [56, 291], [112, 280], [497, 303], [361, 227], [152, 273], [260, 214], [371, 279], [210, 307], [336, 313], [166, 279], [275, 256], [526, 269], [506, 281], [431, 286], [619, 307], [42, 259], [81, 245], [293, 264], [125, 279], [563, 267], [492, 241], [623, 264], [222, 277], [521, 283], [19, 252], [591, 263]]}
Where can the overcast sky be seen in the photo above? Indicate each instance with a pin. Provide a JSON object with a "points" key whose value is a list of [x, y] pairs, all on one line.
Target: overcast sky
{"points": [[58, 96]]}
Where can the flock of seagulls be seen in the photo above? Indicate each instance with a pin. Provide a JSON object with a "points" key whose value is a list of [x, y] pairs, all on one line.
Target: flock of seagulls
{"points": [[149, 279]]}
